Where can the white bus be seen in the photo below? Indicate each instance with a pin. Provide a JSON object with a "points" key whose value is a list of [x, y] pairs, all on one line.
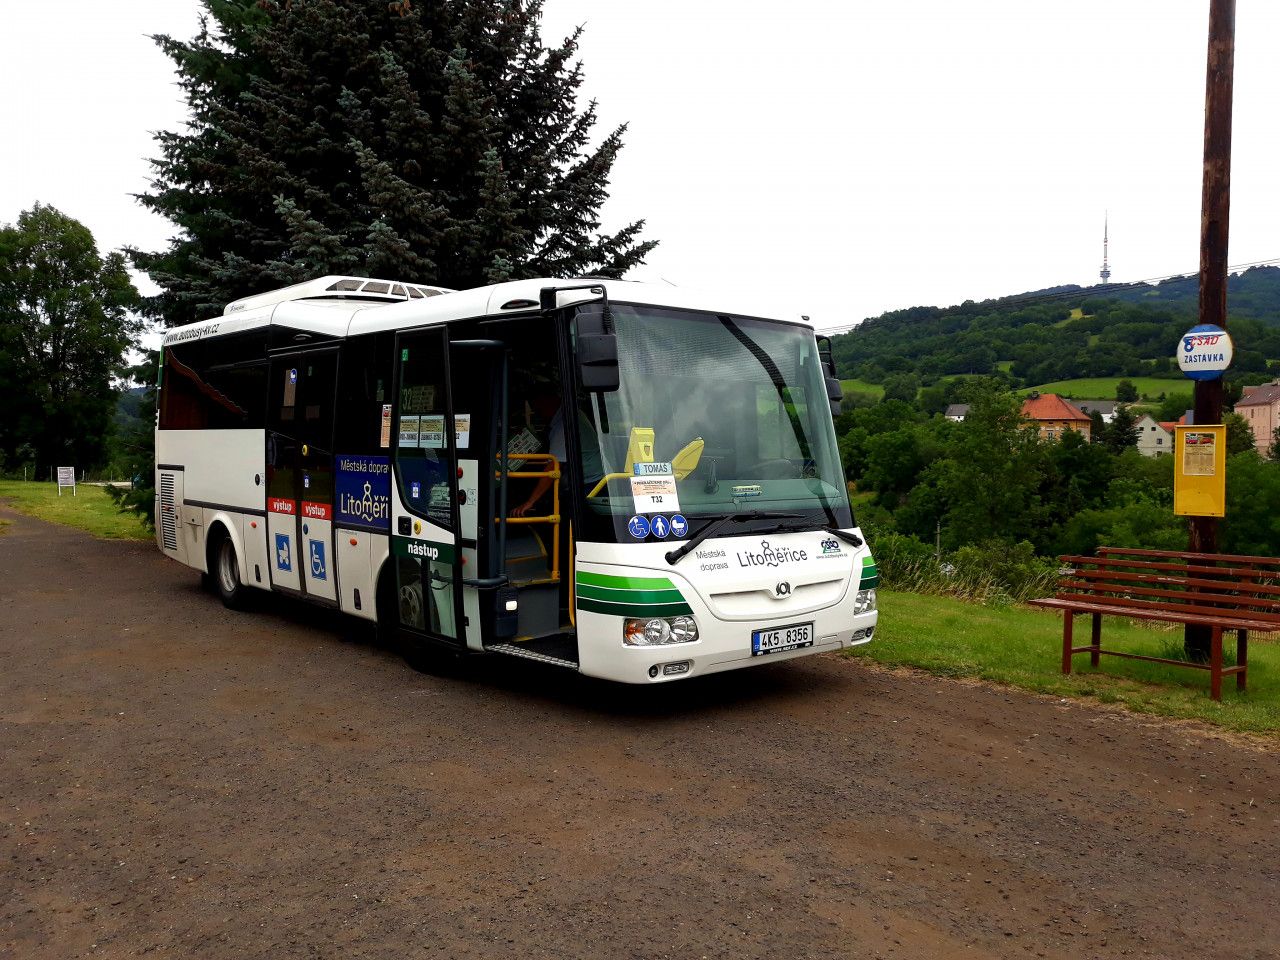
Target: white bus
{"points": [[402, 454]]}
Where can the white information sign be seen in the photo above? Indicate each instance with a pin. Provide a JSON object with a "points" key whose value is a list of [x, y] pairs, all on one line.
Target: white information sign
{"points": [[409, 431], [433, 431], [462, 429], [67, 478], [655, 494]]}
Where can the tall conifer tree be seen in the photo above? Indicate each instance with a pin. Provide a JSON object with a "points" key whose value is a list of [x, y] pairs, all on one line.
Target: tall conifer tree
{"points": [[438, 142]]}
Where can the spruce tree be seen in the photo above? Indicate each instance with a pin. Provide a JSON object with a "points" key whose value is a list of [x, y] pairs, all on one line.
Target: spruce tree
{"points": [[433, 142]]}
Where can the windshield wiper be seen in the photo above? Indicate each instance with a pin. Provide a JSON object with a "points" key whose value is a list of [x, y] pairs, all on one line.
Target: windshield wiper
{"points": [[850, 538], [674, 556]]}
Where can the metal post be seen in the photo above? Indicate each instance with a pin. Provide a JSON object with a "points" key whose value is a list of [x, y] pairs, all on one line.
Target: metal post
{"points": [[1215, 206]]}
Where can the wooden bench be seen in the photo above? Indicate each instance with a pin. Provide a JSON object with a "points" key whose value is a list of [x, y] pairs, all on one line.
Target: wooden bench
{"points": [[1221, 592]]}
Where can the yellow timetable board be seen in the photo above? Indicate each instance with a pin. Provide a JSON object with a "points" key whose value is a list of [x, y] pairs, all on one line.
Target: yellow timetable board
{"points": [[1200, 470]]}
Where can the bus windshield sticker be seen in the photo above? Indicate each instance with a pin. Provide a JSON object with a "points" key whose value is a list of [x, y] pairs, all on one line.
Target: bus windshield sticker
{"points": [[432, 435], [654, 494], [419, 399], [462, 429], [652, 469], [290, 387], [363, 490], [409, 431], [385, 440]]}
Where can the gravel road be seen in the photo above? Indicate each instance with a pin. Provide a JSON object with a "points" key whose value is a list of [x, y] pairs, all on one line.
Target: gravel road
{"points": [[180, 780]]}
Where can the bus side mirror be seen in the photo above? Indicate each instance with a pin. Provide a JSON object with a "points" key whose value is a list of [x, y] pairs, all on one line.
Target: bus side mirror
{"points": [[834, 395], [547, 301], [598, 361]]}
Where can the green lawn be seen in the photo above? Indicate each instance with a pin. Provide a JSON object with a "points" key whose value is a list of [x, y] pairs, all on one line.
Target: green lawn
{"points": [[1104, 388], [1022, 647], [862, 386], [90, 509]]}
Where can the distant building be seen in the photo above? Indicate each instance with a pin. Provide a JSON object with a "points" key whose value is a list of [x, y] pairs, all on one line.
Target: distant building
{"points": [[1105, 407], [1154, 439], [957, 412], [1260, 407], [1055, 416]]}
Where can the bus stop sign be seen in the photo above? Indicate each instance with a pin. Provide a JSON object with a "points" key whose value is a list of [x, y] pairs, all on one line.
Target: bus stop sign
{"points": [[1204, 352]]}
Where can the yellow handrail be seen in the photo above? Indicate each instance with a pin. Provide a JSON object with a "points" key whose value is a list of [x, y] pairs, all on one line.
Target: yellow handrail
{"points": [[605, 479], [552, 473]]}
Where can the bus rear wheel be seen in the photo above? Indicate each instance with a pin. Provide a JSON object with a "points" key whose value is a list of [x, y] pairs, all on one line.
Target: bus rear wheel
{"points": [[226, 574]]}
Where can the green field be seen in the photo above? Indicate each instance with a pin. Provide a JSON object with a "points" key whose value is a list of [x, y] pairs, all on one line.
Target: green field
{"points": [[1104, 388], [1022, 647], [862, 386], [90, 509]]}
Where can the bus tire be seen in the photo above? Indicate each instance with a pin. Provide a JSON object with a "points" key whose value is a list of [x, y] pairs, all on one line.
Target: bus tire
{"points": [[224, 570]]}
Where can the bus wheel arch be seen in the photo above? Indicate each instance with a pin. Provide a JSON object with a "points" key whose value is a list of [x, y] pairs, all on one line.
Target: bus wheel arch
{"points": [[386, 607], [222, 560]]}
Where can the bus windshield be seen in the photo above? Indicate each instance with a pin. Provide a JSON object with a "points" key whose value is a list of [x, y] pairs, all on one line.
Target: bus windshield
{"points": [[715, 415]]}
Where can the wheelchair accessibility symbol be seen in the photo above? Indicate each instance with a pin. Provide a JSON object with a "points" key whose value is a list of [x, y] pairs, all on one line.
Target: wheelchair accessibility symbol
{"points": [[317, 559]]}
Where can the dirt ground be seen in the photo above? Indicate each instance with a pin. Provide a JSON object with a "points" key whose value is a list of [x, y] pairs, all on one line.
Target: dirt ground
{"points": [[180, 780]]}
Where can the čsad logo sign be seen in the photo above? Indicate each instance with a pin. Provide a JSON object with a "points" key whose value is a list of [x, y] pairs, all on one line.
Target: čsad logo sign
{"points": [[1204, 352]]}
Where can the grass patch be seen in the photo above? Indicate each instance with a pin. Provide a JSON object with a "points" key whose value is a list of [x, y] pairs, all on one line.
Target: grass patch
{"points": [[1022, 647], [1104, 388], [862, 386], [90, 509]]}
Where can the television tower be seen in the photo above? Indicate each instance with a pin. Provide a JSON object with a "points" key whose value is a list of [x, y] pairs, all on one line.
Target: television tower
{"points": [[1105, 272]]}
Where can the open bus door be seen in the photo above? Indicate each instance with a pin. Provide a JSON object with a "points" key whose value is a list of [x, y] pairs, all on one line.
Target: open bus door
{"points": [[424, 543], [514, 581]]}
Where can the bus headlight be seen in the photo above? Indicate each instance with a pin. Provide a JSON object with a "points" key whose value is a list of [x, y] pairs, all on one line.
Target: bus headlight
{"points": [[659, 631], [864, 602]]}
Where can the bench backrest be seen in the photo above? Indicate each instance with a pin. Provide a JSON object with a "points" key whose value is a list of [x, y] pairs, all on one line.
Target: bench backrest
{"points": [[1201, 583]]}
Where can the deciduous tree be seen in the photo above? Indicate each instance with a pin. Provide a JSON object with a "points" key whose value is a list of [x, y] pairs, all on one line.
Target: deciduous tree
{"points": [[65, 326]]}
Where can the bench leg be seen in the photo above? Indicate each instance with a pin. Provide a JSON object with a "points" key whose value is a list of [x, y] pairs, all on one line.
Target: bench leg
{"points": [[1215, 664], [1067, 617], [1094, 654], [1242, 657]]}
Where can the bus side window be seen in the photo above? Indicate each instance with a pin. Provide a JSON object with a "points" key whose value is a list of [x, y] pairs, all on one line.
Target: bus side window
{"points": [[213, 385]]}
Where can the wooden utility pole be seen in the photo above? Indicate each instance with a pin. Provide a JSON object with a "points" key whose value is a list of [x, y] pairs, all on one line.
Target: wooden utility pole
{"points": [[1215, 208]]}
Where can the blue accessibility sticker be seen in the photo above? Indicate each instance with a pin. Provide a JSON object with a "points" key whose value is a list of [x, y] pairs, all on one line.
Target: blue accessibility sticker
{"points": [[638, 527], [318, 569], [284, 560], [661, 527], [679, 525]]}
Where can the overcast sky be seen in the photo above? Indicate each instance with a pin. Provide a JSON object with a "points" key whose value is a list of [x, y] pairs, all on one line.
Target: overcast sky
{"points": [[854, 157]]}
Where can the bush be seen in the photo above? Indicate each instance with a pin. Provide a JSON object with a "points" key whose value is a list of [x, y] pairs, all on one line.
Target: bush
{"points": [[1014, 569]]}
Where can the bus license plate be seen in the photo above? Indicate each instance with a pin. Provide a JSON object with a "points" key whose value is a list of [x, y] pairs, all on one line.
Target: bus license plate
{"points": [[792, 637]]}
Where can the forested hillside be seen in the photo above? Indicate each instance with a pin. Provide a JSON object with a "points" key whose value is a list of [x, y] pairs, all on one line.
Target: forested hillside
{"points": [[1064, 333]]}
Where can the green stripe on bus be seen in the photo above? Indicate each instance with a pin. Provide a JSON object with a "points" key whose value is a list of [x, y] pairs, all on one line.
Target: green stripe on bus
{"points": [[624, 583], [637, 611], [869, 583], [630, 596]]}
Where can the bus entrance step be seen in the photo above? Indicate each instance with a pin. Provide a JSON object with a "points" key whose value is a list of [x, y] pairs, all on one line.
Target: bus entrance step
{"points": [[559, 654]]}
